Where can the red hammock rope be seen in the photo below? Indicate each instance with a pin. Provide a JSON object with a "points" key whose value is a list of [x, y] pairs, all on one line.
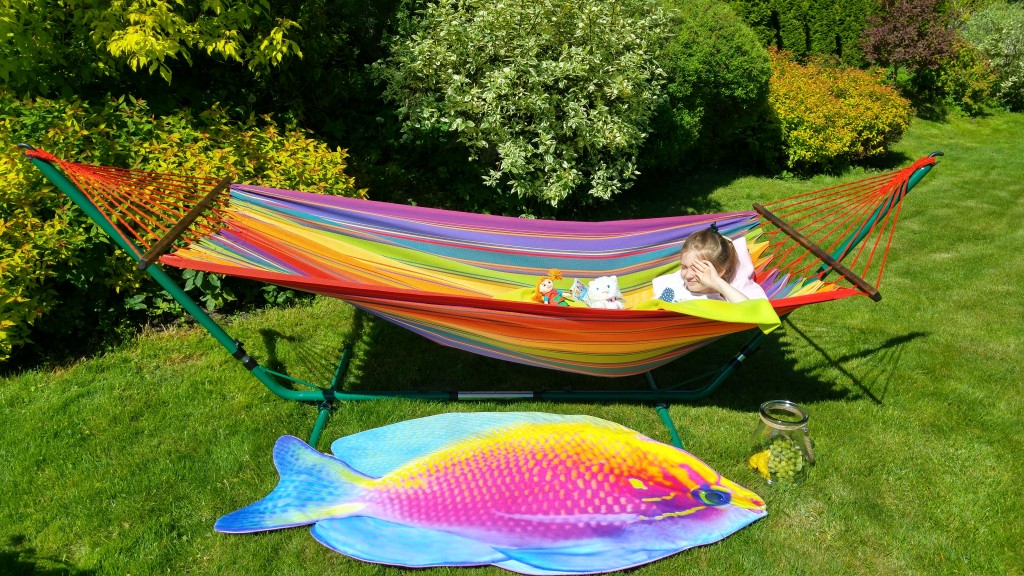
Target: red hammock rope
{"points": [[866, 209], [143, 206]]}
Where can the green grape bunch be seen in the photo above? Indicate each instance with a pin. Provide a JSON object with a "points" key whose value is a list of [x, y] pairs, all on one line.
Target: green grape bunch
{"points": [[785, 460]]}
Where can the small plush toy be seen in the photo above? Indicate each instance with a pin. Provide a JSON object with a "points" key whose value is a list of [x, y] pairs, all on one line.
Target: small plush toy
{"points": [[546, 293], [604, 292]]}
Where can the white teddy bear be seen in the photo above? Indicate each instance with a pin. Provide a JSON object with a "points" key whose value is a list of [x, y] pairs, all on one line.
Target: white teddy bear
{"points": [[604, 292]]}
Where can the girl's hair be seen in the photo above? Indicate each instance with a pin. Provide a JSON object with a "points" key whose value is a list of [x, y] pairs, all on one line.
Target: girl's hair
{"points": [[710, 245]]}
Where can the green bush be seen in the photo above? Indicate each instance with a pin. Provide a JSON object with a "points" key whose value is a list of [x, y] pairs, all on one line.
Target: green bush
{"points": [[552, 96], [967, 80], [997, 31], [830, 115], [61, 281], [717, 82]]}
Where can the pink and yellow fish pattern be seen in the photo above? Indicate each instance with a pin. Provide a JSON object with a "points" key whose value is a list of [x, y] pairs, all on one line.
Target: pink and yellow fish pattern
{"points": [[530, 492]]}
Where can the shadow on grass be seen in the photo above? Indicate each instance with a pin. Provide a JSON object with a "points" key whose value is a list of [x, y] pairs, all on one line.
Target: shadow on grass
{"points": [[271, 339], [886, 355], [19, 559], [391, 358], [890, 160], [299, 357]]}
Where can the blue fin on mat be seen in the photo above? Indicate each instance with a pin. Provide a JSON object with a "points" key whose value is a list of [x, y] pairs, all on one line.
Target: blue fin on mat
{"points": [[382, 542], [640, 544], [517, 566], [601, 556], [313, 486], [409, 440], [679, 533]]}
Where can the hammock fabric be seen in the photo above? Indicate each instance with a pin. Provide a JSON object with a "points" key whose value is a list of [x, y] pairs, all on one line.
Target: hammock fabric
{"points": [[446, 275]]}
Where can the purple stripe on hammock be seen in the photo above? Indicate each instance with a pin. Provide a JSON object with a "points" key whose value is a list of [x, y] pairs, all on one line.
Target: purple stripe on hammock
{"points": [[419, 224]]}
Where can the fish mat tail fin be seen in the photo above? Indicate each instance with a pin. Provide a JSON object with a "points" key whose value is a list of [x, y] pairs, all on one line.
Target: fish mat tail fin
{"points": [[313, 486]]}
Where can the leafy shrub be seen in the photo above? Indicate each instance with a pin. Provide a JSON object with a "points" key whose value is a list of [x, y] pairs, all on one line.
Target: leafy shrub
{"points": [[553, 96], [717, 82], [997, 31], [61, 281], [967, 80], [52, 45], [831, 115]]}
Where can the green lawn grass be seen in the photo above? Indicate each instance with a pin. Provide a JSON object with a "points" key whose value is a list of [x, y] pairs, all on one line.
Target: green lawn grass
{"points": [[120, 464]]}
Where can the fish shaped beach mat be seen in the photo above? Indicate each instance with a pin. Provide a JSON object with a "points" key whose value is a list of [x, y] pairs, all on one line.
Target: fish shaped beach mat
{"points": [[530, 492]]}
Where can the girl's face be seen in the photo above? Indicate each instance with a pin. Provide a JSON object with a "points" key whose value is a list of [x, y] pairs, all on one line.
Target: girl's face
{"points": [[546, 286], [691, 279]]}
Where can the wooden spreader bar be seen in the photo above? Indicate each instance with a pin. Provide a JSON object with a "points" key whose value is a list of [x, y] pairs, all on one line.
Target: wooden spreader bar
{"points": [[164, 243], [821, 254]]}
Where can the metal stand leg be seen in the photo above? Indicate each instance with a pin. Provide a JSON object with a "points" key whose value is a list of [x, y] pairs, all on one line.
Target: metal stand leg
{"points": [[698, 393]]}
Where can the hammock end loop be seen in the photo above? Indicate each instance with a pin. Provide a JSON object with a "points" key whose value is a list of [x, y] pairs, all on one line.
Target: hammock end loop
{"points": [[32, 152]]}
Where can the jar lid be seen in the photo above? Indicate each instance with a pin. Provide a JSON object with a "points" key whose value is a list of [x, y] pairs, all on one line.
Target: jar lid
{"points": [[783, 414]]}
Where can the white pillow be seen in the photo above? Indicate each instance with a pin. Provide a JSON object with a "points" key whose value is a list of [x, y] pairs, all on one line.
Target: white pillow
{"points": [[744, 279]]}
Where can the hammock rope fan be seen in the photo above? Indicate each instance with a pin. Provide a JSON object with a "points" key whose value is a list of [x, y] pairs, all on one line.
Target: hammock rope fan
{"points": [[454, 277]]}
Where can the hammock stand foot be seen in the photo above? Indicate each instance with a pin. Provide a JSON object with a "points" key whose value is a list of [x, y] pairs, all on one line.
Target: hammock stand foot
{"points": [[325, 407], [717, 377], [666, 419], [321, 421]]}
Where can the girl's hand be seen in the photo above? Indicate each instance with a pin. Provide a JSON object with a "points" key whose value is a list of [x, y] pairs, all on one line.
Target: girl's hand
{"points": [[707, 275]]}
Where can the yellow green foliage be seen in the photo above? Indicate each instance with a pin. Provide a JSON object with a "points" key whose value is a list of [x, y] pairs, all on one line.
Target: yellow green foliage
{"points": [[830, 115], [56, 264], [42, 40]]}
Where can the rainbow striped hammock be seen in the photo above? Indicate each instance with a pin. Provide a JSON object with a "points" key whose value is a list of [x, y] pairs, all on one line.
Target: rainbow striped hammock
{"points": [[447, 275]]}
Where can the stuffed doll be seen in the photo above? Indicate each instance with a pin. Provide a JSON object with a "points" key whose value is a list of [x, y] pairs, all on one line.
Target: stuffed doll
{"points": [[546, 293], [604, 292]]}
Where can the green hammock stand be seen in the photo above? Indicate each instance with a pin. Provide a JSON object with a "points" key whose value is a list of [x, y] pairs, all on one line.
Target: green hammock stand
{"points": [[788, 289]]}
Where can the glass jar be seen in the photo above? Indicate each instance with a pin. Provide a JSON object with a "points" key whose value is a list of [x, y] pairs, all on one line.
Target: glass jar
{"points": [[782, 451]]}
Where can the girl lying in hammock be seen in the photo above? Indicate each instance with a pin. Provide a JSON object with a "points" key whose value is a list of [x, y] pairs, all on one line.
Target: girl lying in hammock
{"points": [[711, 267]]}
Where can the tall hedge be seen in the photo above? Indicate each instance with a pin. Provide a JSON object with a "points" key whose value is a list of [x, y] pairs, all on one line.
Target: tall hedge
{"points": [[810, 28], [61, 281]]}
